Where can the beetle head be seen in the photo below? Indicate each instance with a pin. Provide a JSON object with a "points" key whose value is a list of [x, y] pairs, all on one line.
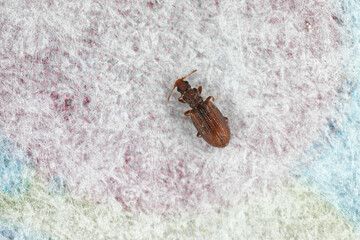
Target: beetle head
{"points": [[181, 85]]}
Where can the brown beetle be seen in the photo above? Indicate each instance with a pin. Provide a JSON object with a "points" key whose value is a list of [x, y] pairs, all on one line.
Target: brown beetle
{"points": [[212, 126]]}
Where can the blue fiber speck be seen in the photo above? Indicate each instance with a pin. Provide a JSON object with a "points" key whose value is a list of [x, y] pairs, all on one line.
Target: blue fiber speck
{"points": [[14, 170], [19, 232], [57, 186], [7, 233]]}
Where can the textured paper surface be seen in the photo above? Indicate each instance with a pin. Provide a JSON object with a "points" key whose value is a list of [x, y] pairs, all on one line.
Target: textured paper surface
{"points": [[91, 149]]}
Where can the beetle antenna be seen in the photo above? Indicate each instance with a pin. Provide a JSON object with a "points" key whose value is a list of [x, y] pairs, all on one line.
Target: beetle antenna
{"points": [[177, 81], [171, 92], [188, 74]]}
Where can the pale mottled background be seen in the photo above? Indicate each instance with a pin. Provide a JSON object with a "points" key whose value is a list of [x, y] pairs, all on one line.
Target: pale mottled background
{"points": [[91, 149]]}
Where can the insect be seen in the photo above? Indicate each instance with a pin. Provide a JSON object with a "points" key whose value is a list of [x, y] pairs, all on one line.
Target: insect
{"points": [[211, 125]]}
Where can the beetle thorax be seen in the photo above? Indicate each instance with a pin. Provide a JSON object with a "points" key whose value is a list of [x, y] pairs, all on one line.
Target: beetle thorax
{"points": [[192, 97]]}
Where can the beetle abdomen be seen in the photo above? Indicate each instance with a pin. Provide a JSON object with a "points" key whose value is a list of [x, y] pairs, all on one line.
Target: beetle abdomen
{"points": [[211, 124]]}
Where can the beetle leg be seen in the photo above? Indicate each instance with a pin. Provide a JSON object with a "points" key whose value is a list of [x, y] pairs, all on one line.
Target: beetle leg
{"points": [[208, 99], [199, 89], [181, 100], [226, 119], [187, 114], [198, 135]]}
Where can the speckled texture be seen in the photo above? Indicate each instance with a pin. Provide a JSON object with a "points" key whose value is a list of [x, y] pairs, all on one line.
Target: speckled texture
{"points": [[333, 168], [293, 212], [84, 114]]}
